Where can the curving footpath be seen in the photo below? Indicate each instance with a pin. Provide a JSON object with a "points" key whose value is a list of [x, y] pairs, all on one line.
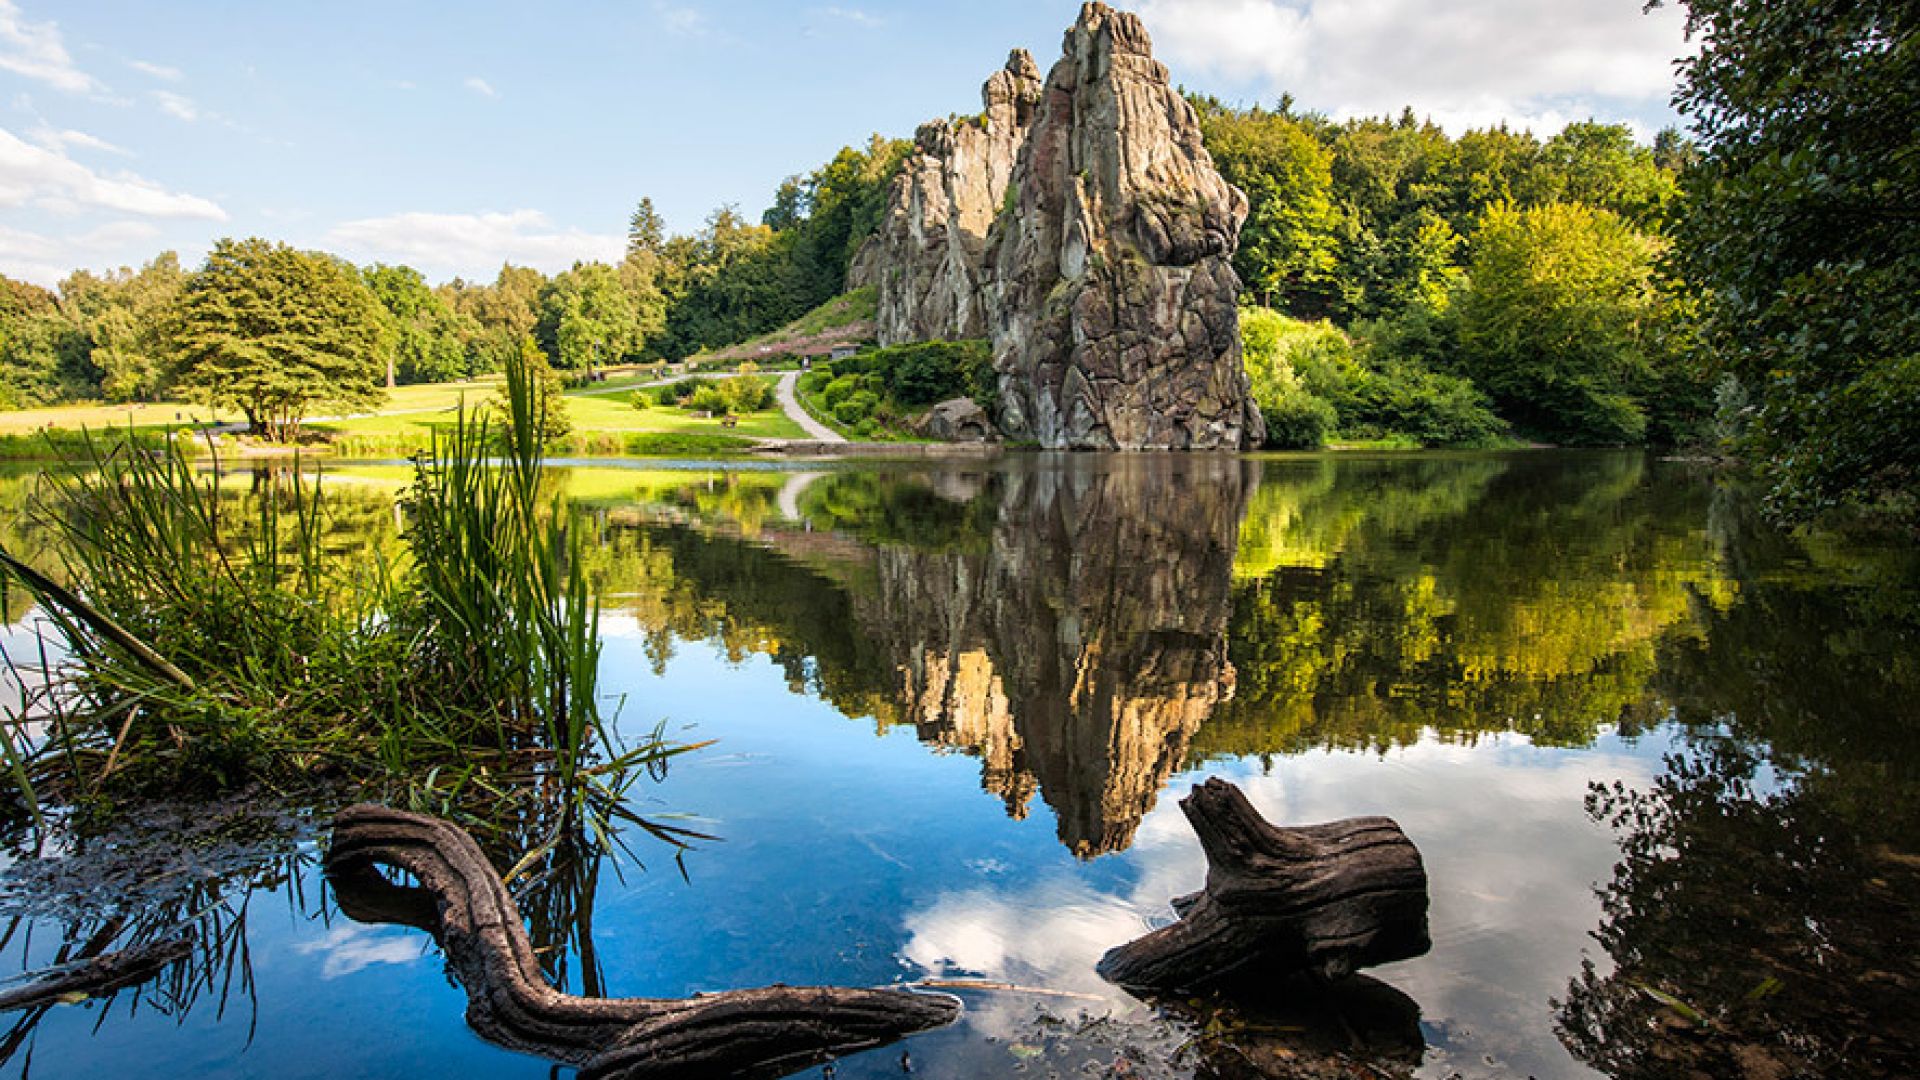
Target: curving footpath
{"points": [[790, 402]]}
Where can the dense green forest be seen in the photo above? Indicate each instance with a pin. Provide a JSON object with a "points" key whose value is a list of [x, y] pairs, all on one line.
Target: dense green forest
{"points": [[1751, 290]]}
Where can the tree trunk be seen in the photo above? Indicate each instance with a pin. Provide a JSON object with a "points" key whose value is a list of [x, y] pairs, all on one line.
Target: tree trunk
{"points": [[1326, 899], [765, 1032]]}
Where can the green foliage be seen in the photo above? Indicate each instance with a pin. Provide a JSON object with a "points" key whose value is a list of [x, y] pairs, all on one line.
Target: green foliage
{"points": [[730, 282], [1559, 322], [1803, 237], [856, 407], [549, 403], [1310, 379], [122, 316], [708, 399], [748, 394], [1296, 419], [221, 635], [420, 336], [595, 314], [273, 332], [1287, 252], [920, 374], [44, 359]]}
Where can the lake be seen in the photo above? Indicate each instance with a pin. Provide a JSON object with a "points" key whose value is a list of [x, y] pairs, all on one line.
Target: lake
{"points": [[1658, 756]]}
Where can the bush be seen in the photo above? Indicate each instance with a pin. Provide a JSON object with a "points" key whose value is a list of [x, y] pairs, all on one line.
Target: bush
{"points": [[1369, 397], [748, 393], [839, 390], [813, 381], [640, 399], [858, 406], [708, 399], [1296, 420]]}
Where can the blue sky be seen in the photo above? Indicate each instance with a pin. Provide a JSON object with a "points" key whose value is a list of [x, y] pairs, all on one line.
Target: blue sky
{"points": [[456, 136]]}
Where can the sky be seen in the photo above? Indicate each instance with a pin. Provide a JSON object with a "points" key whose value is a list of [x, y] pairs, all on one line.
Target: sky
{"points": [[455, 137]]}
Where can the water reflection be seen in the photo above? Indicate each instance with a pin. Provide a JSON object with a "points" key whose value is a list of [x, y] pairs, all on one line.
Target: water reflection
{"points": [[1654, 752], [1087, 627]]}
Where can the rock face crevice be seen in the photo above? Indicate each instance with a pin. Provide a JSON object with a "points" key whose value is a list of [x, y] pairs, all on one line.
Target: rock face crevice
{"points": [[1102, 274], [930, 253]]}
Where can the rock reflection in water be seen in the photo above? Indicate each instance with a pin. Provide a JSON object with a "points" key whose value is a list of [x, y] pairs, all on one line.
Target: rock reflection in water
{"points": [[1081, 651]]}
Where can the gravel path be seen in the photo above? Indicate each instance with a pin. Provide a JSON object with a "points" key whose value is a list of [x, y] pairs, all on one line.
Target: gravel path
{"points": [[791, 403]]}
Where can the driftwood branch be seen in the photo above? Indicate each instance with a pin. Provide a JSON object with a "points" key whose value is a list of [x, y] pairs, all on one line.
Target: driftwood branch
{"points": [[764, 1032], [96, 976], [1326, 899]]}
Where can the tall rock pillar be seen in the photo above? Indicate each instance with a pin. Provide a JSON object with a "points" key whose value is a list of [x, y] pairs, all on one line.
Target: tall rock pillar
{"points": [[1110, 296]]}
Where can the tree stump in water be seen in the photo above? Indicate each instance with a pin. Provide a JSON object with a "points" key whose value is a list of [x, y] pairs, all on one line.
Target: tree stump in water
{"points": [[765, 1032], [1325, 899]]}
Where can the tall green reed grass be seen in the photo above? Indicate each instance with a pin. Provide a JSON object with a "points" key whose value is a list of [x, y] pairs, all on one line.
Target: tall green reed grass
{"points": [[211, 641]]}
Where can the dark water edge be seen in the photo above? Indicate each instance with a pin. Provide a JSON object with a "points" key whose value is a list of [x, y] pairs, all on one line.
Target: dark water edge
{"points": [[1658, 756]]}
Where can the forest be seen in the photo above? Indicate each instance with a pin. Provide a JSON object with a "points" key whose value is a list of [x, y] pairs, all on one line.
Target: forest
{"points": [[1743, 290]]}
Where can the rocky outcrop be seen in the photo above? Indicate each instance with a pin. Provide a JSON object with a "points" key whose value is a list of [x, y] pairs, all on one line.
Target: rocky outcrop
{"points": [[930, 252], [1098, 263], [958, 420]]}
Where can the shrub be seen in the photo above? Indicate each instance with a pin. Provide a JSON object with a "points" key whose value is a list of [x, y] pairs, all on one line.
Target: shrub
{"points": [[709, 400], [1372, 390], [748, 393], [858, 406], [1296, 420], [640, 399], [839, 390]]}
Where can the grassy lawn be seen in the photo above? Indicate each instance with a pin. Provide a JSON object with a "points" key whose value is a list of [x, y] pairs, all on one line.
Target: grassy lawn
{"points": [[603, 423], [156, 416], [589, 413]]}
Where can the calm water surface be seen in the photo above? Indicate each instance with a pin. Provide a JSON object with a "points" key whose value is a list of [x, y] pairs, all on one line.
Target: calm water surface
{"points": [[1651, 750]]}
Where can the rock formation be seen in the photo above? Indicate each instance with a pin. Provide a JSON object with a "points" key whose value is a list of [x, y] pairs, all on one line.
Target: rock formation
{"points": [[930, 252], [1098, 263]]}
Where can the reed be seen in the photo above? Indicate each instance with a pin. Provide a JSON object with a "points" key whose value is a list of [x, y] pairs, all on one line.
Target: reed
{"points": [[207, 639]]}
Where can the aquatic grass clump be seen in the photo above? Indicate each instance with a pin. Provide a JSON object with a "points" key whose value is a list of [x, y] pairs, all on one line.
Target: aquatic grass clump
{"points": [[211, 638]]}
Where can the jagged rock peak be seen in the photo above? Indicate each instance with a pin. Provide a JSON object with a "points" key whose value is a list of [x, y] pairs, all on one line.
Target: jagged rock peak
{"points": [[1080, 224], [929, 253], [1117, 321]]}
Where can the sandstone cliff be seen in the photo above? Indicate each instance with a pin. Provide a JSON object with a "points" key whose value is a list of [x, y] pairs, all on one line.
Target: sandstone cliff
{"points": [[929, 253], [1098, 262]]}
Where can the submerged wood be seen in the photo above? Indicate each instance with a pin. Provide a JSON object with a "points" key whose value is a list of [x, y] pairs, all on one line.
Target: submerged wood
{"points": [[1325, 899], [96, 976], [765, 1032]]}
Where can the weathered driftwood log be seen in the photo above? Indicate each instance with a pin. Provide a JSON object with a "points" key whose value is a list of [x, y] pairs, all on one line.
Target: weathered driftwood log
{"points": [[1326, 899], [763, 1032], [97, 975]]}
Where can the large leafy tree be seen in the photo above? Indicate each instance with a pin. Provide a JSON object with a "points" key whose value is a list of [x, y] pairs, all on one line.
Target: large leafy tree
{"points": [[274, 332], [420, 339], [121, 314], [1803, 233], [588, 316], [1560, 321], [1287, 246]]}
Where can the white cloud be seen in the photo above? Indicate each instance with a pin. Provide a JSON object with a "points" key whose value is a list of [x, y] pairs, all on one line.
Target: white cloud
{"points": [[480, 86], [35, 51], [472, 245], [44, 260], [47, 178], [158, 71], [348, 948], [178, 106], [852, 15], [57, 139], [1463, 64], [678, 19]]}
